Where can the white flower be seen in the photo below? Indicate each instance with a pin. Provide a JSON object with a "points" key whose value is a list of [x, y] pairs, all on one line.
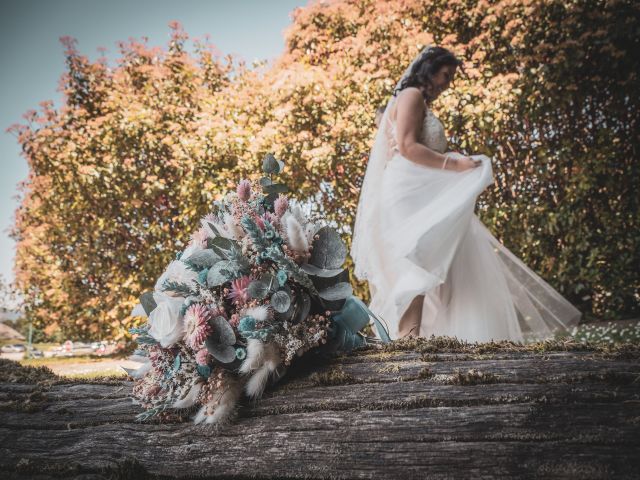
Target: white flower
{"points": [[177, 271], [193, 247], [310, 230], [167, 325], [232, 227], [296, 237], [260, 313], [297, 212]]}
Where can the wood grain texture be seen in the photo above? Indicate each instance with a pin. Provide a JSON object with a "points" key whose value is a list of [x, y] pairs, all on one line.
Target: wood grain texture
{"points": [[394, 414]]}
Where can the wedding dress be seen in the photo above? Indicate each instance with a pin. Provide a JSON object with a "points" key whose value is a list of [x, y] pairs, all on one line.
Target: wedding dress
{"points": [[434, 245], [419, 235]]}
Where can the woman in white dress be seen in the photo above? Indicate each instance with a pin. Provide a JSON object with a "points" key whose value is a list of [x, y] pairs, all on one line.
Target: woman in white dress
{"points": [[432, 266]]}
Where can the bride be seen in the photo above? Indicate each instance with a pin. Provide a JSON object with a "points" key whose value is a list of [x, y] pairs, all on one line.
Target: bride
{"points": [[431, 264]]}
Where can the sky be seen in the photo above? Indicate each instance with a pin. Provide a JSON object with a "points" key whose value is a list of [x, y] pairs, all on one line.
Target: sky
{"points": [[32, 57]]}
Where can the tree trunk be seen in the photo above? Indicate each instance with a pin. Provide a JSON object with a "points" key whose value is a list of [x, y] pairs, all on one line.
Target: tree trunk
{"points": [[410, 410]]}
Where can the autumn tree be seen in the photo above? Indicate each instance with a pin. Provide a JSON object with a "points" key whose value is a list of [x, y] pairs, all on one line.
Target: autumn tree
{"points": [[121, 174]]}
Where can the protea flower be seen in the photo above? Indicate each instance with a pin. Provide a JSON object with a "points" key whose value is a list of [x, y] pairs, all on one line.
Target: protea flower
{"points": [[239, 293], [244, 190], [196, 325]]}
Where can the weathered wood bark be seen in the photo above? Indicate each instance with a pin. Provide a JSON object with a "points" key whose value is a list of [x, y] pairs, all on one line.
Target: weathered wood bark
{"points": [[405, 413]]}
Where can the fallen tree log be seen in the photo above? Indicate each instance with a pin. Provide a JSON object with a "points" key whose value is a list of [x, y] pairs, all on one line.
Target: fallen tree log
{"points": [[418, 408]]}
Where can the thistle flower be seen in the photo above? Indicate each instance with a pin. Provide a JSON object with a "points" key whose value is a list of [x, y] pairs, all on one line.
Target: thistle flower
{"points": [[244, 190], [239, 293], [196, 325], [280, 205]]}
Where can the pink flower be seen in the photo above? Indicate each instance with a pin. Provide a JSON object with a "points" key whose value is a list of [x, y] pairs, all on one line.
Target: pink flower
{"points": [[202, 357], [281, 204], [259, 222], [199, 238], [239, 293], [196, 325], [269, 217], [244, 190], [209, 217]]}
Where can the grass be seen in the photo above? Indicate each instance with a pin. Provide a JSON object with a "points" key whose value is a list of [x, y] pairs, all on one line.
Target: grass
{"points": [[34, 362], [110, 373], [80, 360]]}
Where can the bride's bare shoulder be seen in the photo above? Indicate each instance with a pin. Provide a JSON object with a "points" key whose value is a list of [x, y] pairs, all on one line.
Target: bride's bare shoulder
{"points": [[411, 96], [410, 99], [411, 92]]}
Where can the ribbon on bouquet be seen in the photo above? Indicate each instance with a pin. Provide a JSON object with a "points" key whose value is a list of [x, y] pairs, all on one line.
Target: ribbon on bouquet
{"points": [[349, 321]]}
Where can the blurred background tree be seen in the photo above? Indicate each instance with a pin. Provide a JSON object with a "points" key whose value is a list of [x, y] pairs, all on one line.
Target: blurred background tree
{"points": [[120, 176]]}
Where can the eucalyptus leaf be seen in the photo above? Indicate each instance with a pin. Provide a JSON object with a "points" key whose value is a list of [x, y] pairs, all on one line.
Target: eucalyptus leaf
{"points": [[222, 331], [223, 243], [213, 228], [270, 281], [258, 289], [303, 305], [177, 362], [322, 283], [217, 274], [148, 303], [270, 164], [270, 199], [339, 291], [329, 251], [205, 258], [264, 181], [288, 314], [221, 252], [231, 269], [275, 188], [320, 272], [280, 301], [222, 353], [285, 316]]}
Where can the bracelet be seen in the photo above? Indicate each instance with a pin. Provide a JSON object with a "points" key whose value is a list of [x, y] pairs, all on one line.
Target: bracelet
{"points": [[446, 157]]}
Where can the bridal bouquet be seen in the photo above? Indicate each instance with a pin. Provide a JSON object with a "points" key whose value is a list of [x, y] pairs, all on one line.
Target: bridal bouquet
{"points": [[258, 285]]}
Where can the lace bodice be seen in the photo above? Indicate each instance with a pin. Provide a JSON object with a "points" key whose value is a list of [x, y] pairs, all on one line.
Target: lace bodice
{"points": [[432, 134]]}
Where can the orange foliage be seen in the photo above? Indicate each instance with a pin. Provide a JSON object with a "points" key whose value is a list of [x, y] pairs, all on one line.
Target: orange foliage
{"points": [[121, 174]]}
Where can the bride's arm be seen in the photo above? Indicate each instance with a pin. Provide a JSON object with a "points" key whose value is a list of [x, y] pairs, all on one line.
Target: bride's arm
{"points": [[410, 116]]}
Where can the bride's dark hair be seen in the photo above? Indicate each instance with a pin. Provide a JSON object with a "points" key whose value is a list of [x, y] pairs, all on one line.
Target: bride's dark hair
{"points": [[427, 66]]}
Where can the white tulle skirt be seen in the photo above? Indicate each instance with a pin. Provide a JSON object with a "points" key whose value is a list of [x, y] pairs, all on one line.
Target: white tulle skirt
{"points": [[434, 245]]}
